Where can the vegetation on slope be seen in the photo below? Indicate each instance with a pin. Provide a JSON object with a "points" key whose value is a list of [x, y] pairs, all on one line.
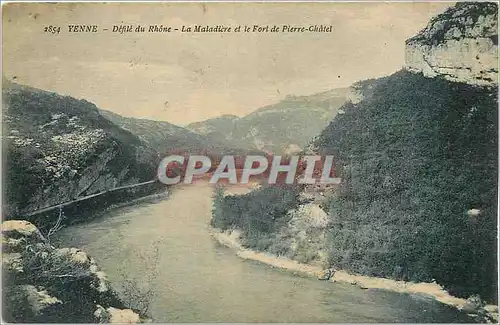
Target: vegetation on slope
{"points": [[418, 159], [58, 148], [259, 214]]}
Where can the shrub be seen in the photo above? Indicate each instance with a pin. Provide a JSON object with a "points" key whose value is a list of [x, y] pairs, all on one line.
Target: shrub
{"points": [[258, 214]]}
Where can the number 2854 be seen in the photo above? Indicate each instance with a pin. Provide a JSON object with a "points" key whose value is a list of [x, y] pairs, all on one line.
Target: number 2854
{"points": [[52, 29]]}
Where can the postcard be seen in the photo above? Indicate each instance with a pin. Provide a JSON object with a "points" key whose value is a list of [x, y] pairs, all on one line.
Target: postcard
{"points": [[250, 162]]}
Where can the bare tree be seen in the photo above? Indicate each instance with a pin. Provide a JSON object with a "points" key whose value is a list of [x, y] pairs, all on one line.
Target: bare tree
{"points": [[140, 295], [57, 226]]}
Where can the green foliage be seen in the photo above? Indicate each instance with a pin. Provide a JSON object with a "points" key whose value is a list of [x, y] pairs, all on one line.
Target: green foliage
{"points": [[219, 219], [44, 266], [258, 213], [415, 155]]}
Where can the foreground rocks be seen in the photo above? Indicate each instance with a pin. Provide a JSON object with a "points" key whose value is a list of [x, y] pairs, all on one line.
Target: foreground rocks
{"points": [[477, 309], [116, 316], [47, 284]]}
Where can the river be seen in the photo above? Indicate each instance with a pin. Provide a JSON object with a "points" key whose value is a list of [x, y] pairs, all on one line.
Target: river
{"points": [[164, 247]]}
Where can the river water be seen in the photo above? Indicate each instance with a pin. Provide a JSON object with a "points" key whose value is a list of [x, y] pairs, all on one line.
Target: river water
{"points": [[163, 248]]}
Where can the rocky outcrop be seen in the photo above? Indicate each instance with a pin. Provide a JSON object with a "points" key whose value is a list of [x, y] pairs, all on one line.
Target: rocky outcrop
{"points": [[116, 316], [303, 238], [460, 45], [48, 284], [60, 148]]}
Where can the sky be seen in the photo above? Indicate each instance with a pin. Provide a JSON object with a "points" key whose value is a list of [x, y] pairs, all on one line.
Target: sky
{"points": [[188, 77]]}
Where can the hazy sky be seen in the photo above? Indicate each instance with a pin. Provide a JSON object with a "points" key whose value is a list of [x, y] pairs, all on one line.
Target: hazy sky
{"points": [[182, 78]]}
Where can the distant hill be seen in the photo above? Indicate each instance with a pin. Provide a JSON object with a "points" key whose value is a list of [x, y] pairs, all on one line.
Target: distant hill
{"points": [[284, 127], [216, 125], [166, 137], [58, 148], [218, 128], [162, 136]]}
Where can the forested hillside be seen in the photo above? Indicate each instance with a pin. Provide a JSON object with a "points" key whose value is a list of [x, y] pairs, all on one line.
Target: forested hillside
{"points": [[419, 163], [418, 159], [58, 148]]}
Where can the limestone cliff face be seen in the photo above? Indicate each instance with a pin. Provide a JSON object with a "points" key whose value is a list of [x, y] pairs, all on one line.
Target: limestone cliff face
{"points": [[460, 45]]}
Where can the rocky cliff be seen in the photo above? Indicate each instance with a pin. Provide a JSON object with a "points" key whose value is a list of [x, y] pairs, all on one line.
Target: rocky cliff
{"points": [[44, 284], [59, 148], [460, 45]]}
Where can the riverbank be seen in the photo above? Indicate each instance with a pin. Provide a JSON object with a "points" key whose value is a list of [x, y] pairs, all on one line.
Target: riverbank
{"points": [[46, 284], [163, 195], [86, 210], [433, 290]]}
